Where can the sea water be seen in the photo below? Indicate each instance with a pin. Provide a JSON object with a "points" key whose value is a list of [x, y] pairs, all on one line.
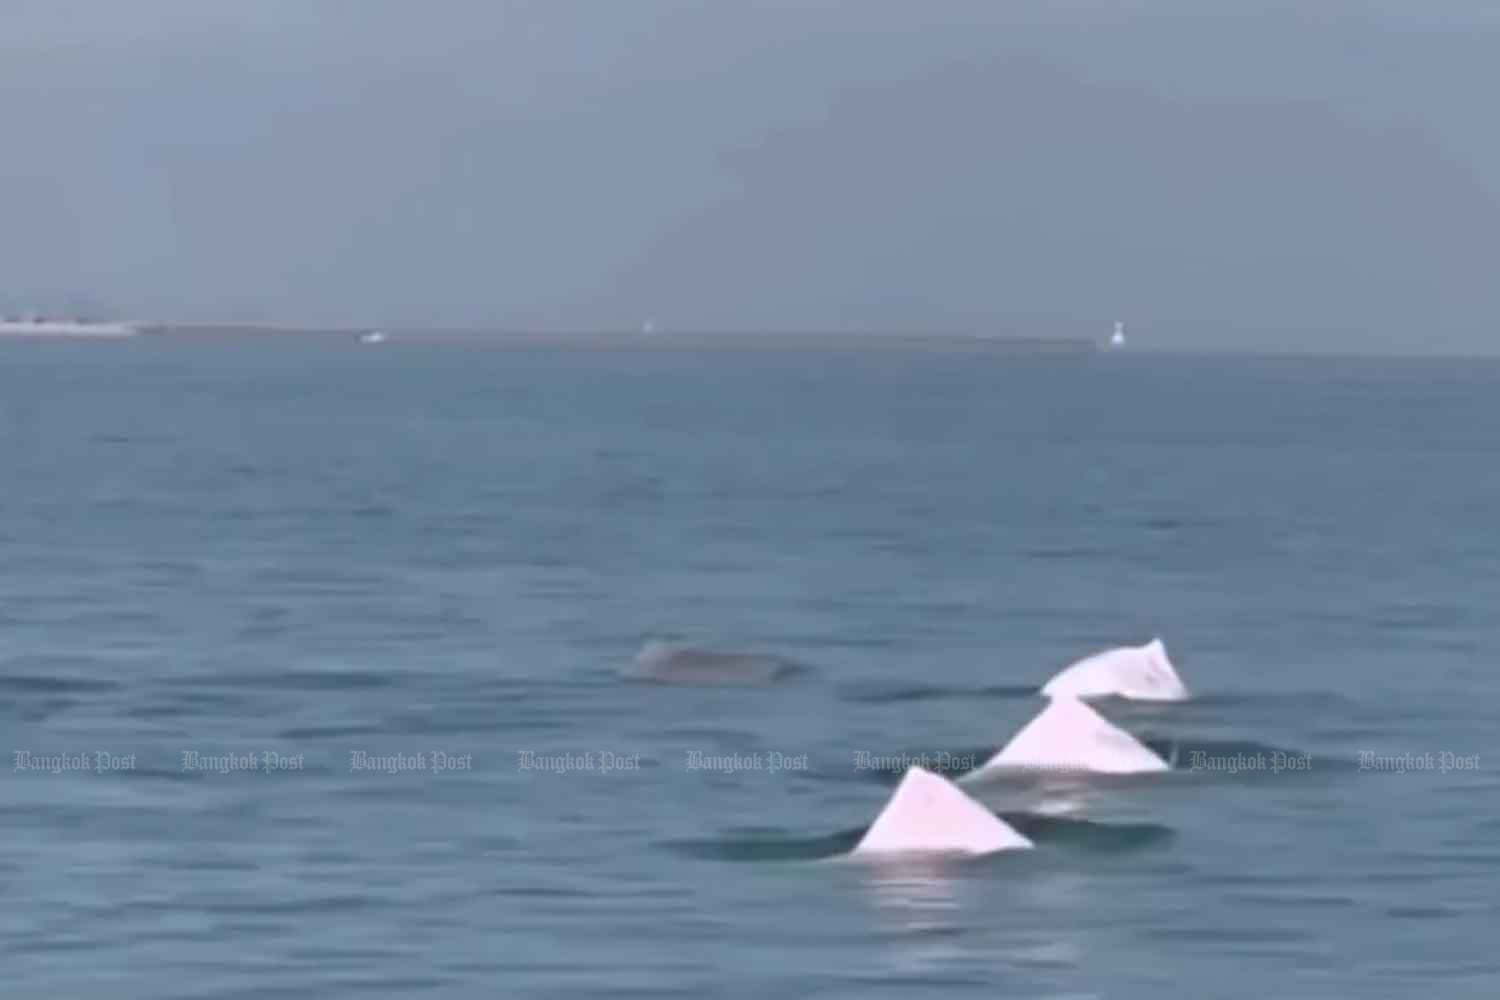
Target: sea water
{"points": [[319, 670]]}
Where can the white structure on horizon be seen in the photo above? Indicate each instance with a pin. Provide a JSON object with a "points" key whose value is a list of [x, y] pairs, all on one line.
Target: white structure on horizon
{"points": [[1118, 339], [41, 326]]}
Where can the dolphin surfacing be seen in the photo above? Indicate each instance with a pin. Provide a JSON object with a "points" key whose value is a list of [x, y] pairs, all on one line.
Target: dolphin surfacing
{"points": [[930, 814], [1140, 673], [1068, 735], [670, 663]]}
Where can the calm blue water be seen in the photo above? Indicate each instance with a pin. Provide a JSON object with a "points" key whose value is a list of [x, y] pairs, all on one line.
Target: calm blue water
{"points": [[310, 549]]}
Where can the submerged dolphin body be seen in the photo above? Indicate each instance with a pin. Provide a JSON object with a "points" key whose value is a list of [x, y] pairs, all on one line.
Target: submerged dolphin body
{"points": [[1069, 736], [1140, 673], [930, 814], [669, 663]]}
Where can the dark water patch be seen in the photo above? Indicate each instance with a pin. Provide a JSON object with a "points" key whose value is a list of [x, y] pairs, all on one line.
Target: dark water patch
{"points": [[484, 717], [288, 680], [767, 845], [315, 906], [46, 943], [160, 711], [148, 773], [1092, 836], [670, 663], [186, 703], [1296, 900], [921, 981], [25, 684], [366, 956], [266, 621], [1065, 553], [387, 985], [885, 694], [1301, 701], [1168, 525], [1236, 936], [326, 732], [1418, 878], [1422, 912], [1241, 758], [1257, 879], [750, 844], [1475, 859], [1371, 734], [179, 863], [36, 709], [372, 512], [542, 892]]}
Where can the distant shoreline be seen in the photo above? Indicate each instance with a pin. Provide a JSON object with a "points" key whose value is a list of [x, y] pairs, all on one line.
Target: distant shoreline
{"points": [[635, 340]]}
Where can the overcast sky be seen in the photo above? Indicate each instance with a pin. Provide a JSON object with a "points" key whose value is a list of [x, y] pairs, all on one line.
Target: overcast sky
{"points": [[1317, 175]]}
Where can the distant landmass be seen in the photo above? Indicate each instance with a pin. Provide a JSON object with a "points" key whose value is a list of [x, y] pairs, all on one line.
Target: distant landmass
{"points": [[676, 340]]}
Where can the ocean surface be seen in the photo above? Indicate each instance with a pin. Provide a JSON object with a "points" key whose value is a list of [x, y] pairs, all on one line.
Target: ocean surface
{"points": [[302, 550]]}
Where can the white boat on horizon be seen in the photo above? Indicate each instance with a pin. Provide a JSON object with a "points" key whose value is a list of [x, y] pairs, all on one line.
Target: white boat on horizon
{"points": [[1117, 340]]}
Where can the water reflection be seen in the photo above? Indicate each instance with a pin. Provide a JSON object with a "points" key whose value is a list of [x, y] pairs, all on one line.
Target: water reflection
{"points": [[919, 904]]}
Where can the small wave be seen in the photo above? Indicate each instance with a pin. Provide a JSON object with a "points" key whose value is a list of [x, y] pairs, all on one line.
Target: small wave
{"points": [[23, 684], [327, 732], [1304, 700], [158, 774], [767, 845], [1169, 524], [1088, 835], [308, 680], [770, 844], [881, 694], [671, 663], [1062, 553]]}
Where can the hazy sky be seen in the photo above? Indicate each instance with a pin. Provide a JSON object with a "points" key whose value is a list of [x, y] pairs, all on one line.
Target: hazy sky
{"points": [[1299, 174]]}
